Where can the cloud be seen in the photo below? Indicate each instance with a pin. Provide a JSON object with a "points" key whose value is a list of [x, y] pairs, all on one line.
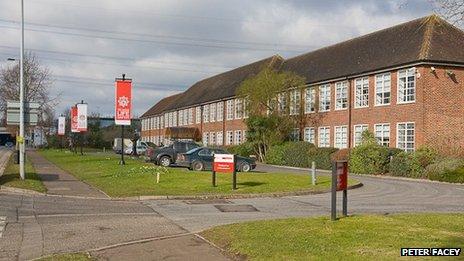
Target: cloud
{"points": [[169, 45]]}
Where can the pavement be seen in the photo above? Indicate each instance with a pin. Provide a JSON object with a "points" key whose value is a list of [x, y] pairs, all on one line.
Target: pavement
{"points": [[58, 181], [5, 154], [37, 225]]}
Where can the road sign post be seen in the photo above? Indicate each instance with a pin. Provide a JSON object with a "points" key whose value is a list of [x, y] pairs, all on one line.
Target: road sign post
{"points": [[224, 163]]}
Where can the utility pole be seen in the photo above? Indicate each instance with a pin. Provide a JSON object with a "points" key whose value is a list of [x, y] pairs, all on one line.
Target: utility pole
{"points": [[22, 146]]}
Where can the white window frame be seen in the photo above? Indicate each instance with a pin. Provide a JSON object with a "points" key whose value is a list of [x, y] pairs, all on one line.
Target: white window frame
{"points": [[212, 138], [205, 139], [341, 95], [244, 108], [380, 134], [406, 74], [174, 119], [238, 108], [197, 114], [310, 100], [212, 112], [181, 118], [295, 99], [323, 140], [324, 97], [295, 134], [219, 138], [229, 137], [282, 103], [230, 109], [405, 140], [238, 137], [341, 137], [357, 136], [220, 111], [310, 135], [206, 113], [382, 87], [361, 98]]}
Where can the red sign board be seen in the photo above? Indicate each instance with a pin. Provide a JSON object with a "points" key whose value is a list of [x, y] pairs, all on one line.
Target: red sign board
{"points": [[223, 163], [342, 175], [123, 102], [74, 119]]}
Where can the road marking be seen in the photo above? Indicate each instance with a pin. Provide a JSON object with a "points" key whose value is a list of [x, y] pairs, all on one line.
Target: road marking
{"points": [[2, 225]]}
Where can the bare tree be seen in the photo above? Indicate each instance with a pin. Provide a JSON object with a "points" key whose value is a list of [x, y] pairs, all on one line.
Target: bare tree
{"points": [[450, 10], [37, 82]]}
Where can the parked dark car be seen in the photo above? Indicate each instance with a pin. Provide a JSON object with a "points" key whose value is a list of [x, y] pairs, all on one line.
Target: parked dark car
{"points": [[167, 155], [202, 159]]}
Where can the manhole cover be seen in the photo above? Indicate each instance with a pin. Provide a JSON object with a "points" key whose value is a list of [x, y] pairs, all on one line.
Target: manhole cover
{"points": [[207, 201], [236, 208]]}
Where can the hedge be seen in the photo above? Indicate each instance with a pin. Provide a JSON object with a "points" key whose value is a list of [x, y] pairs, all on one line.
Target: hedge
{"points": [[412, 164], [449, 170], [300, 154]]}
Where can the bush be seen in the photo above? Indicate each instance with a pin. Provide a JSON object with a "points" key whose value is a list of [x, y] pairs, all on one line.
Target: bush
{"points": [[369, 158], [245, 149], [300, 154], [449, 170], [412, 164]]}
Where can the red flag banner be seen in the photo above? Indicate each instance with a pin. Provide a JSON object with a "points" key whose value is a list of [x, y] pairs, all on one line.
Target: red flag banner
{"points": [[123, 102], [74, 119]]}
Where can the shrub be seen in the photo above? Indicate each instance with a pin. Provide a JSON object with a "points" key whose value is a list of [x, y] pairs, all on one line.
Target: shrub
{"points": [[245, 149], [300, 154], [369, 158], [449, 170], [412, 164]]}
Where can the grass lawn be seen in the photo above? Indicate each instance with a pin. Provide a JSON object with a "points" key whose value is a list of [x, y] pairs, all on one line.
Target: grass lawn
{"points": [[11, 178], [67, 257], [369, 237], [139, 178]]}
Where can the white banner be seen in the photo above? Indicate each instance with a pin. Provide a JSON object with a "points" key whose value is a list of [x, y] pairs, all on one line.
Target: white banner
{"points": [[61, 125], [81, 117]]}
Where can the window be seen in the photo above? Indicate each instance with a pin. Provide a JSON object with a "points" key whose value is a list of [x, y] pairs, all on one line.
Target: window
{"points": [[295, 134], [169, 124], [198, 114], [174, 119], [407, 85], [166, 120], [382, 89], [238, 137], [230, 138], [205, 138], [324, 137], [324, 97], [382, 134], [230, 110], [181, 118], [206, 113], [358, 131], [186, 116], [341, 137], [405, 136], [309, 135], [162, 122], [220, 111], [190, 116], [362, 92], [341, 95], [212, 138], [212, 112], [219, 138], [310, 100], [295, 102], [282, 100], [238, 108], [245, 109]]}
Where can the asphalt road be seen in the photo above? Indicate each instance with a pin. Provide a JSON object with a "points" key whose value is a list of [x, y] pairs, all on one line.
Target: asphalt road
{"points": [[164, 229]]}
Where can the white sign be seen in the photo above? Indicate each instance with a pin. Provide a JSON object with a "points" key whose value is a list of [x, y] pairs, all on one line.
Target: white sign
{"points": [[81, 117], [61, 125], [224, 158]]}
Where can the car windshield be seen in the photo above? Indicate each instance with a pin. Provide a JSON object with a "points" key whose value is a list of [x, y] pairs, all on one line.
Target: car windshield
{"points": [[151, 144], [192, 150]]}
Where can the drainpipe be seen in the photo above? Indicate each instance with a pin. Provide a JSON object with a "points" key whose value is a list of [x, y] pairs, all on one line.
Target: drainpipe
{"points": [[224, 104], [349, 111]]}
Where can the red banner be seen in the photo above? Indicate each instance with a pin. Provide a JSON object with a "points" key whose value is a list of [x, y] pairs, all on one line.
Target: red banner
{"points": [[123, 102], [223, 163], [74, 119]]}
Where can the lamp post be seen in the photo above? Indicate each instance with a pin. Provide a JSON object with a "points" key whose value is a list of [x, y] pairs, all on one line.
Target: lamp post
{"points": [[21, 98]]}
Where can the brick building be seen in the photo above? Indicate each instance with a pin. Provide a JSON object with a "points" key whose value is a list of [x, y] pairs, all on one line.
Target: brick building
{"points": [[403, 83]]}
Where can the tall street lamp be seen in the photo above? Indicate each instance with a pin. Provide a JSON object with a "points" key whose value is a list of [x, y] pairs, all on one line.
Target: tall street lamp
{"points": [[21, 98]]}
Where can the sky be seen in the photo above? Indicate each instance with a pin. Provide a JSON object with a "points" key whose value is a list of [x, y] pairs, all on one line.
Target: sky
{"points": [[166, 46]]}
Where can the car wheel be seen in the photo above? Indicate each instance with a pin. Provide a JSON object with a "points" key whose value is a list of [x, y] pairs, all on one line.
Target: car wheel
{"points": [[165, 161], [197, 166], [245, 167]]}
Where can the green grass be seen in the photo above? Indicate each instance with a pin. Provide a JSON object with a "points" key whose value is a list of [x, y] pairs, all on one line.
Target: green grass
{"points": [[370, 237], [11, 178], [139, 178], [67, 257]]}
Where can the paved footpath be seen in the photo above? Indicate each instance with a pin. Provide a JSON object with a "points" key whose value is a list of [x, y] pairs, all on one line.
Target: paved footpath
{"points": [[58, 181], [4, 156]]}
